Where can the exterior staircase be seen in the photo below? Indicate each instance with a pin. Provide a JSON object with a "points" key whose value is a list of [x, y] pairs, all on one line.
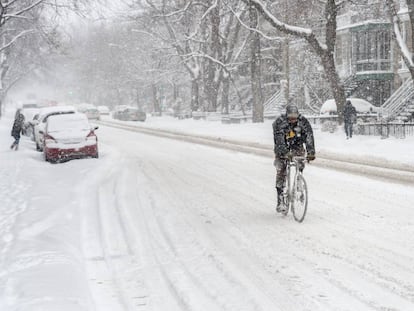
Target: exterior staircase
{"points": [[351, 85], [316, 102], [407, 114], [400, 105], [274, 106]]}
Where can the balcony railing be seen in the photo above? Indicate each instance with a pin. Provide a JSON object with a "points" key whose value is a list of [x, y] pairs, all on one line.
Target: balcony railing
{"points": [[373, 65]]}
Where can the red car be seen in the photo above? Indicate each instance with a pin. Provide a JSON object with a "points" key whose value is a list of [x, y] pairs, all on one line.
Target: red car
{"points": [[69, 136]]}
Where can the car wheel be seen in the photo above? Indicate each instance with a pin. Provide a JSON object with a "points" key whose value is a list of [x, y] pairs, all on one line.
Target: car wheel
{"points": [[47, 159]]}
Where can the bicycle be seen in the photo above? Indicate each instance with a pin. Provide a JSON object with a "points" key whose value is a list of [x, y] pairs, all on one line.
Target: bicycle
{"points": [[295, 193]]}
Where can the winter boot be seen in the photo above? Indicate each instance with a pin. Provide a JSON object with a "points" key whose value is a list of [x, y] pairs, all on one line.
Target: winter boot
{"points": [[12, 145], [16, 147], [281, 206]]}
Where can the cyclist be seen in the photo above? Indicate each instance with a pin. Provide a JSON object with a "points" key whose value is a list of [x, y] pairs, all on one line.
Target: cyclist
{"points": [[291, 131]]}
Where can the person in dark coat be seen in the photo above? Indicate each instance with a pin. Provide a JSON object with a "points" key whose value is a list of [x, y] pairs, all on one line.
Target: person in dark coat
{"points": [[291, 132], [350, 114], [17, 129]]}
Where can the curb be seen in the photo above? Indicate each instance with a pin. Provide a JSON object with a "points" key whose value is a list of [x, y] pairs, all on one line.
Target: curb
{"points": [[375, 168]]}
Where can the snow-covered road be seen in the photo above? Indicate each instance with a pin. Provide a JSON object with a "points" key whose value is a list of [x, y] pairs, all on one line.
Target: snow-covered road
{"points": [[188, 227], [168, 225]]}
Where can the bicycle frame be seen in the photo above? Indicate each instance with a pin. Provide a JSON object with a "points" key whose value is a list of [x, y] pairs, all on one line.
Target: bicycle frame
{"points": [[290, 182]]}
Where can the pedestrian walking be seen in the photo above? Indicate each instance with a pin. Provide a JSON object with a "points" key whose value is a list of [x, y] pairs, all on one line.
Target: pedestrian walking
{"points": [[350, 114], [17, 129]]}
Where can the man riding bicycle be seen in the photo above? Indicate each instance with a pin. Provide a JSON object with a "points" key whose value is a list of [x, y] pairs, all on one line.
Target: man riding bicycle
{"points": [[291, 131]]}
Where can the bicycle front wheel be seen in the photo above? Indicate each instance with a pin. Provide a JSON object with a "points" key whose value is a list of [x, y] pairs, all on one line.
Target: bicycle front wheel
{"points": [[300, 199]]}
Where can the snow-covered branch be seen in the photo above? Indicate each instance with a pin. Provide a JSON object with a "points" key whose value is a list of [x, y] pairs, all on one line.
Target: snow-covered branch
{"points": [[212, 7], [21, 34], [253, 29], [214, 60], [305, 33], [21, 11], [293, 30]]}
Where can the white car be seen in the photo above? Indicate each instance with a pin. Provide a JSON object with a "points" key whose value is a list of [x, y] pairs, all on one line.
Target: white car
{"points": [[93, 113], [104, 110], [361, 106], [29, 114], [40, 123]]}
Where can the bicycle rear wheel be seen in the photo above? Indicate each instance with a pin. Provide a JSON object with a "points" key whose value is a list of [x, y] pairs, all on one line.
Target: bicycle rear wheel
{"points": [[300, 199]]}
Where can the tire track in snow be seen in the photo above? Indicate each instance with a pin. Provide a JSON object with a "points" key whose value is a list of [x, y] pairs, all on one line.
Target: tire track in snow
{"points": [[151, 243], [208, 183], [275, 299]]}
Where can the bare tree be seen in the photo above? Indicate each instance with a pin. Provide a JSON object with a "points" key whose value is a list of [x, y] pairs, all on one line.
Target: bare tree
{"points": [[22, 29], [325, 50]]}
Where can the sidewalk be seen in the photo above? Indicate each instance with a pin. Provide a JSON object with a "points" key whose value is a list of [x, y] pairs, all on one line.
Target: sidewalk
{"points": [[393, 152]]}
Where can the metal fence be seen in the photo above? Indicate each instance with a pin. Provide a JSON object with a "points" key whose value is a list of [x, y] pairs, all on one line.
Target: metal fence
{"points": [[386, 129], [367, 125]]}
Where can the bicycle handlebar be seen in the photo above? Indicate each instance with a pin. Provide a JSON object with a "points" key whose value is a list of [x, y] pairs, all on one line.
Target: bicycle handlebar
{"points": [[292, 158], [298, 158]]}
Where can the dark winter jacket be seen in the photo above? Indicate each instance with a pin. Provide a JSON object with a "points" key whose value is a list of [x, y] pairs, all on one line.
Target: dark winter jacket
{"points": [[349, 113], [290, 137], [17, 126]]}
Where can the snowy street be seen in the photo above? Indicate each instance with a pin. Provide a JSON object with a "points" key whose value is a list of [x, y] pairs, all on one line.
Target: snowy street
{"points": [[140, 143], [157, 224]]}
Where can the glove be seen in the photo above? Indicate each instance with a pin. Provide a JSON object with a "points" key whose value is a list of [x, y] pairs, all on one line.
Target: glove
{"points": [[310, 157]]}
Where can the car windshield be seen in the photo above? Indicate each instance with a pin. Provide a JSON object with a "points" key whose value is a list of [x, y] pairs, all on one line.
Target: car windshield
{"points": [[67, 123]]}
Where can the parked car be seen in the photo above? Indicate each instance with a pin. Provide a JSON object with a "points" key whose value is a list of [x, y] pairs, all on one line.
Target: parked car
{"points": [[127, 113], [30, 105], [29, 113], [68, 136], [93, 113], [90, 110], [104, 110], [39, 121]]}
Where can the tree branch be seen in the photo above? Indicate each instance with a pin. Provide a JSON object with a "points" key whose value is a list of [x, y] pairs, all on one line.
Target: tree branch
{"points": [[23, 33]]}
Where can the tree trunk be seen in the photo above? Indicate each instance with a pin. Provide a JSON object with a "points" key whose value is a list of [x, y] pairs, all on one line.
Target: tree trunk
{"points": [[394, 15], [410, 5], [156, 104], [286, 69], [195, 95], [337, 88], [225, 94], [255, 71], [175, 92], [137, 97], [213, 83]]}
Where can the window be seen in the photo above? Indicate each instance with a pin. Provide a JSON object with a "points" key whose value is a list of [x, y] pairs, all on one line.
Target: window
{"points": [[372, 49]]}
